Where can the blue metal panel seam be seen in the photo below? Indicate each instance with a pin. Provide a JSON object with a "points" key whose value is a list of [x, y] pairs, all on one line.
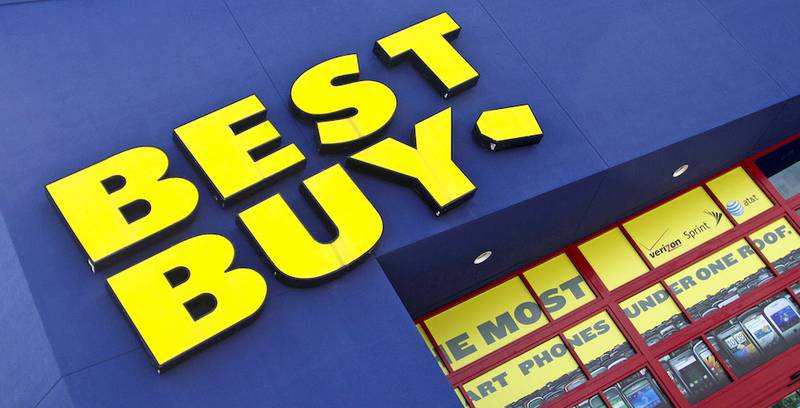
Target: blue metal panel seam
{"points": [[36, 311], [49, 391], [535, 73], [745, 49], [64, 376], [250, 45]]}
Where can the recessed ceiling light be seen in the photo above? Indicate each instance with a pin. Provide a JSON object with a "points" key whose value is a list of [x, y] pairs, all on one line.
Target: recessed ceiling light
{"points": [[680, 170], [482, 257]]}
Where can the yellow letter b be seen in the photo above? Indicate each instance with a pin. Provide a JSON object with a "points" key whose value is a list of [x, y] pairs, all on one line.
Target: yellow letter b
{"points": [[121, 201], [182, 298]]}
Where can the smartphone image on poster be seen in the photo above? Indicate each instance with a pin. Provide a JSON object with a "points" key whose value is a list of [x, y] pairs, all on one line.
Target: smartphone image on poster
{"points": [[594, 402], [761, 330], [738, 345], [535, 403], [615, 398], [783, 314], [690, 371], [678, 383], [643, 394], [707, 358]]}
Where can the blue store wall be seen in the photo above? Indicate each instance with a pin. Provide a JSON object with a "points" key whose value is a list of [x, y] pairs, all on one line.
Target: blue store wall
{"points": [[625, 92]]}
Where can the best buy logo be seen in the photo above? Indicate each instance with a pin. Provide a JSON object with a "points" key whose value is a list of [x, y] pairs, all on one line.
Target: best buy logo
{"points": [[186, 296]]}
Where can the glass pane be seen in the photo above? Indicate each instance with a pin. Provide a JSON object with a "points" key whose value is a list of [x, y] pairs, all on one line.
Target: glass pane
{"points": [[782, 169], [637, 391], [613, 258], [719, 279], [740, 195], [796, 288], [758, 334], [677, 226], [539, 375], [695, 371], [594, 402], [559, 285], [486, 322], [654, 314], [431, 349], [780, 244], [599, 343]]}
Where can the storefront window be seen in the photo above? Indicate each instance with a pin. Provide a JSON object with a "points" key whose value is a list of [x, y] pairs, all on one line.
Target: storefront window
{"points": [[677, 226], [654, 314], [613, 258], [599, 343], [739, 194], [529, 380], [758, 334], [782, 169], [727, 259], [486, 322], [719, 279], [637, 391], [695, 371], [559, 285]]}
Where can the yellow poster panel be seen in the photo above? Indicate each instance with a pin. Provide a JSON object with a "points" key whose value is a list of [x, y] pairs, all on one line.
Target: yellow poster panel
{"points": [[780, 244], [739, 194], [486, 322], [653, 313], [677, 226], [598, 343], [718, 279], [559, 285], [547, 370], [613, 258], [431, 349]]}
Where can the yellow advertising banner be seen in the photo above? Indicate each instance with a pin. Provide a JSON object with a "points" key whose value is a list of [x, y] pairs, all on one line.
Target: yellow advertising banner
{"points": [[713, 282], [613, 258], [598, 343], [541, 373], [653, 313], [486, 322], [559, 285], [779, 243], [718, 279], [677, 226], [548, 370], [739, 194]]}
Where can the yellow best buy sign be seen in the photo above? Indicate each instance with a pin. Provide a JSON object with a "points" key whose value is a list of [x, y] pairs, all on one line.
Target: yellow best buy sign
{"points": [[187, 295]]}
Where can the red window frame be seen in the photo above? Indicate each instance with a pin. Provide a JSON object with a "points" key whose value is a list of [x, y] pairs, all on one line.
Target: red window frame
{"points": [[648, 356]]}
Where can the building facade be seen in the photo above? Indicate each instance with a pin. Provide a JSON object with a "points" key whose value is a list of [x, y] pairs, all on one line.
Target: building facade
{"points": [[408, 203]]}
